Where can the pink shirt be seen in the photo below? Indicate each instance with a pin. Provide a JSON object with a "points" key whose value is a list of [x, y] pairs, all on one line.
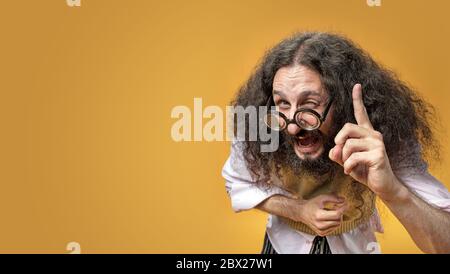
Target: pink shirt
{"points": [[245, 195]]}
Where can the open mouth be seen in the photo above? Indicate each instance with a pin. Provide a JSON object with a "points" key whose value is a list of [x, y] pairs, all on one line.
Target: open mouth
{"points": [[308, 141]]}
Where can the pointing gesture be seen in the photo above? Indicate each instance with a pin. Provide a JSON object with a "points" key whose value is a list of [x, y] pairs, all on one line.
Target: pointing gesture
{"points": [[361, 152], [360, 110]]}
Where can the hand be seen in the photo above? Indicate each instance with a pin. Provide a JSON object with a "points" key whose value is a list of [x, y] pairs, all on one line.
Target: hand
{"points": [[323, 213], [360, 150]]}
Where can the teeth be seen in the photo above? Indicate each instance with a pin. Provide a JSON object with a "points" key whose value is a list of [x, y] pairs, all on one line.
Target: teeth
{"points": [[304, 136]]}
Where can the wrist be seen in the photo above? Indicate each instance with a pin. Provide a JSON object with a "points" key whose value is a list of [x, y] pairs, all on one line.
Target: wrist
{"points": [[398, 194], [296, 210]]}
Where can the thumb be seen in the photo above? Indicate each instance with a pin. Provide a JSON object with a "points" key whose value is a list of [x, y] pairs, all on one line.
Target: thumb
{"points": [[335, 154]]}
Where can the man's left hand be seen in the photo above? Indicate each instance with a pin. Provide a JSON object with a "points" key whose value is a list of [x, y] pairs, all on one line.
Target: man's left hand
{"points": [[360, 150]]}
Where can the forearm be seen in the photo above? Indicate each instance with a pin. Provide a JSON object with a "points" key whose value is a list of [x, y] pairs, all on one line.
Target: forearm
{"points": [[279, 205], [428, 227]]}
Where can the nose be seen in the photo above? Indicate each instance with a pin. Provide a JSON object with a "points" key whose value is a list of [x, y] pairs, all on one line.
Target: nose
{"points": [[292, 128]]}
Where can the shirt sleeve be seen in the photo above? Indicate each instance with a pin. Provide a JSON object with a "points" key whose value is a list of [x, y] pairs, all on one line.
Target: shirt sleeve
{"points": [[426, 187], [243, 191]]}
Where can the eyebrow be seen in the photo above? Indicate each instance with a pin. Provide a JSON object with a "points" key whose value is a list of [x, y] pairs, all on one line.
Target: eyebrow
{"points": [[303, 94]]}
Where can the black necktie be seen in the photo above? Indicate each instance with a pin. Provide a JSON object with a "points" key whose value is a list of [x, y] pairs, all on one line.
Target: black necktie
{"points": [[320, 246]]}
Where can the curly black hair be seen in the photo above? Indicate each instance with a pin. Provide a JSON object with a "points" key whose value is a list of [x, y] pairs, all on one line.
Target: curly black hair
{"points": [[405, 120]]}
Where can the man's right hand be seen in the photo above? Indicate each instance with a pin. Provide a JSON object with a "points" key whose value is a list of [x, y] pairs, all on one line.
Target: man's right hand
{"points": [[323, 213]]}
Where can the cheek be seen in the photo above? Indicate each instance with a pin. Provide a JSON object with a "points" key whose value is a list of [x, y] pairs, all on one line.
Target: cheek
{"points": [[327, 125]]}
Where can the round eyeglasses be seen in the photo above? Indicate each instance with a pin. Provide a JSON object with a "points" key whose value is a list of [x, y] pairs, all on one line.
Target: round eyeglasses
{"points": [[305, 118]]}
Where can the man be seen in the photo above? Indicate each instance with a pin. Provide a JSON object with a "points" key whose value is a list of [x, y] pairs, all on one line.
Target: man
{"points": [[349, 132]]}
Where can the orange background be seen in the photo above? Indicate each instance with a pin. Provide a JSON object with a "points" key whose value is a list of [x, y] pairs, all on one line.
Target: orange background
{"points": [[86, 96]]}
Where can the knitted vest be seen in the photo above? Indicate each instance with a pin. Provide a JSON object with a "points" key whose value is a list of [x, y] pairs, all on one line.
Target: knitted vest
{"points": [[359, 198]]}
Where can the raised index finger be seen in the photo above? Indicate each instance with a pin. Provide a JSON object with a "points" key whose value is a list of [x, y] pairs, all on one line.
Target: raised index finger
{"points": [[360, 110]]}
